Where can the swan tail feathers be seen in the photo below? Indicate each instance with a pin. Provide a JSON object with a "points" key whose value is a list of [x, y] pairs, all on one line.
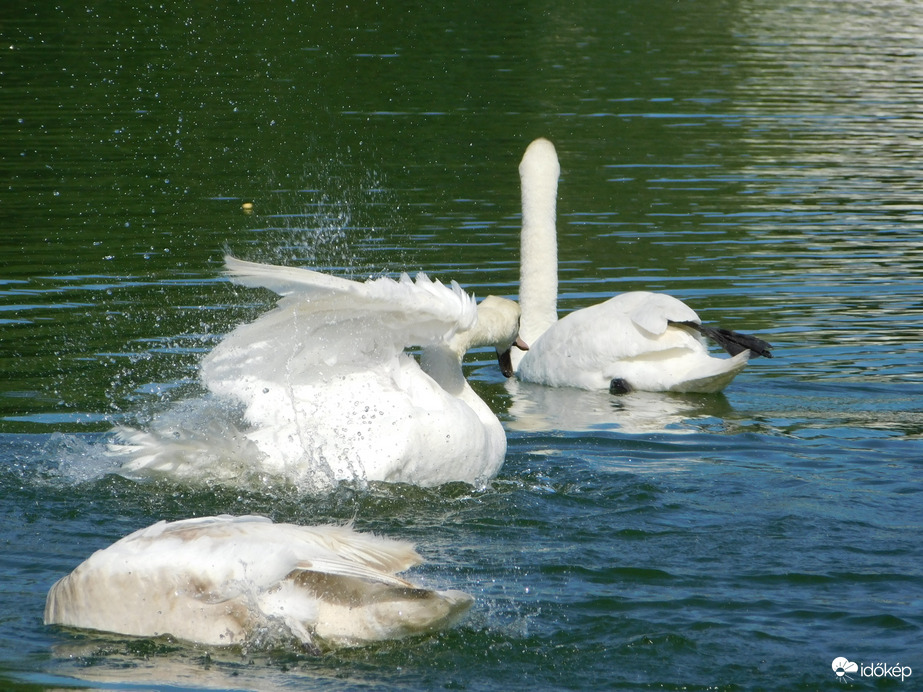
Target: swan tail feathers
{"points": [[733, 342]]}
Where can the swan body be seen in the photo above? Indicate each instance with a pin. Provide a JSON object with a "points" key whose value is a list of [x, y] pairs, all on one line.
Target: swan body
{"points": [[633, 341], [222, 580], [328, 393]]}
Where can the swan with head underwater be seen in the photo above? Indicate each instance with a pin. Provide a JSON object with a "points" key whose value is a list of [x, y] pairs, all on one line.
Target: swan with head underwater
{"points": [[329, 394], [633, 341], [228, 580]]}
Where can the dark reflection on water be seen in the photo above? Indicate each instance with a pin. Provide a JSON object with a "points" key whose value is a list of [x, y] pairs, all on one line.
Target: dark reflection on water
{"points": [[756, 159]]}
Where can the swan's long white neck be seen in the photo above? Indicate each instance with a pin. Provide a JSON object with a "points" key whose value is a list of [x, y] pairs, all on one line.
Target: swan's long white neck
{"points": [[442, 362], [538, 272], [496, 326]]}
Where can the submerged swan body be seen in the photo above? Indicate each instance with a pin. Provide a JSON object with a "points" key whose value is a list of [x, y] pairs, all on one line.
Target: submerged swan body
{"points": [[633, 341], [221, 580], [328, 393]]}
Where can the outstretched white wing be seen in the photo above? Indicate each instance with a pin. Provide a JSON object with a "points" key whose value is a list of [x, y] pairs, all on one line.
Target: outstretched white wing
{"points": [[325, 324]]}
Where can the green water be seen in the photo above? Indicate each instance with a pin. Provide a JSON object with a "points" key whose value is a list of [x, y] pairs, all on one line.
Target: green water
{"points": [[759, 160]]}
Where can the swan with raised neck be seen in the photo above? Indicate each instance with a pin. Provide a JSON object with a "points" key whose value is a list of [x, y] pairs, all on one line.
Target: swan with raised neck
{"points": [[633, 341]]}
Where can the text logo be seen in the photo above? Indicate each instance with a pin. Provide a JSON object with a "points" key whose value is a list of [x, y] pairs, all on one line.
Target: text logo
{"points": [[843, 666]]}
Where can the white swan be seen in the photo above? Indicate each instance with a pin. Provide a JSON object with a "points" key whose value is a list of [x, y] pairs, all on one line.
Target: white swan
{"points": [[224, 580], [633, 341], [329, 394]]}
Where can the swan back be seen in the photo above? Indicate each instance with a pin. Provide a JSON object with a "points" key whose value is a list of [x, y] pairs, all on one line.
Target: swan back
{"points": [[538, 279], [218, 580]]}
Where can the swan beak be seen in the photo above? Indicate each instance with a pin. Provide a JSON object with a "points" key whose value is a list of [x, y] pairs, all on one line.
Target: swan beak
{"points": [[506, 361]]}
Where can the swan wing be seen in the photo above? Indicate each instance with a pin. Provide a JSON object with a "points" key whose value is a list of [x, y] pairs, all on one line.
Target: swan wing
{"points": [[342, 551], [651, 312], [264, 552], [326, 325], [625, 326], [216, 559], [287, 280], [405, 302]]}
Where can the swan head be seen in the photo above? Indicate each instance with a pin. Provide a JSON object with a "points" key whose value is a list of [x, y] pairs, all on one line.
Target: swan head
{"points": [[541, 156], [498, 326]]}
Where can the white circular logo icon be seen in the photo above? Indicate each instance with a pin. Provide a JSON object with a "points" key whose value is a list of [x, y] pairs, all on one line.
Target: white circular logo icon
{"points": [[841, 666]]}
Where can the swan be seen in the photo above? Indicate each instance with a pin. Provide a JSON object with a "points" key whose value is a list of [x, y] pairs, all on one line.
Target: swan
{"points": [[328, 393], [224, 580], [633, 341]]}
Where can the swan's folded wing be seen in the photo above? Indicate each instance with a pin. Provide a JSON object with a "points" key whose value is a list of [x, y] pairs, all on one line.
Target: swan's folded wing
{"points": [[228, 554], [260, 553], [653, 312], [375, 552], [334, 566], [302, 542]]}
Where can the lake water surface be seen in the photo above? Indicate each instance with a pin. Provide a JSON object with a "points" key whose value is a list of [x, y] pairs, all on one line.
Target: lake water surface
{"points": [[759, 160]]}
